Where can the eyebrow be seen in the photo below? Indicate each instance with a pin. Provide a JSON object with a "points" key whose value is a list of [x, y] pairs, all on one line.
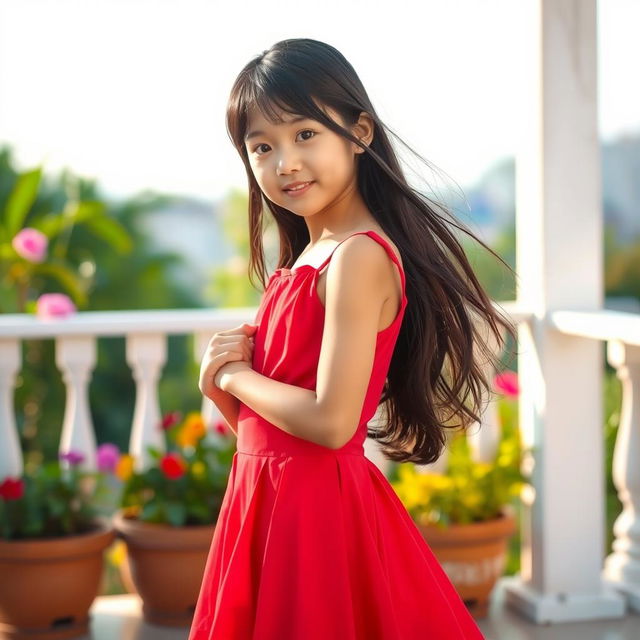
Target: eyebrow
{"points": [[254, 134]]}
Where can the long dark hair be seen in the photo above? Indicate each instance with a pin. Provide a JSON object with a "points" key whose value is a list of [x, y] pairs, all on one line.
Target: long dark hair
{"points": [[436, 375]]}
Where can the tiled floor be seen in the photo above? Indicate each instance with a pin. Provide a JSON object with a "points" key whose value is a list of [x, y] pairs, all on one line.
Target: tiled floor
{"points": [[119, 618]]}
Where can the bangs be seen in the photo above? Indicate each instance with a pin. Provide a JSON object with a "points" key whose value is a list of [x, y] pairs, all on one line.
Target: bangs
{"points": [[273, 99]]}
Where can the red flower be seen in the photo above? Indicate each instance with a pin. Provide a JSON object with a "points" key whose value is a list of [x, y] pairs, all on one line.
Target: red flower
{"points": [[12, 488], [221, 427], [170, 419], [173, 466], [507, 383]]}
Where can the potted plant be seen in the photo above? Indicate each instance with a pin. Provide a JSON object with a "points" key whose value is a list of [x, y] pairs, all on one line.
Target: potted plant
{"points": [[168, 514], [52, 539], [466, 514]]}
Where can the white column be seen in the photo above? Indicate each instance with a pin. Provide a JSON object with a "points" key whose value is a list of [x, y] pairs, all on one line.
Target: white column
{"points": [[146, 355], [622, 567], [10, 453], [559, 264], [76, 357]]}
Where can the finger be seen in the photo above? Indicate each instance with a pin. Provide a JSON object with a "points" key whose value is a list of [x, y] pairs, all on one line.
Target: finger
{"points": [[240, 329], [228, 343], [249, 329]]}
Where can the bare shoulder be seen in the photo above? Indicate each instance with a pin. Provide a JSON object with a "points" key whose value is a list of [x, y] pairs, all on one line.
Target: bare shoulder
{"points": [[383, 235], [360, 247], [360, 254]]}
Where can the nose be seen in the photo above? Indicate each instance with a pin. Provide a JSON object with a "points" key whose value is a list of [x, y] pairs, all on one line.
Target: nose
{"points": [[288, 161]]}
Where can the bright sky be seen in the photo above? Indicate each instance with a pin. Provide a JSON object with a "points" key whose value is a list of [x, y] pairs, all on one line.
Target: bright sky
{"points": [[133, 92]]}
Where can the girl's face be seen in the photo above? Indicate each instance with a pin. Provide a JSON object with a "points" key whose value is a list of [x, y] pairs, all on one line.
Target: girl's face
{"points": [[300, 150]]}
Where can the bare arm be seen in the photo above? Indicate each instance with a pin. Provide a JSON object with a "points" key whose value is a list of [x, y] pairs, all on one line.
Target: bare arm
{"points": [[329, 415], [228, 405]]}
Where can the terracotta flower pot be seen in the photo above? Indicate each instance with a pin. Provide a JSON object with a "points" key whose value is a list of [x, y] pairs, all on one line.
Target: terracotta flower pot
{"points": [[48, 585], [473, 556], [166, 566]]}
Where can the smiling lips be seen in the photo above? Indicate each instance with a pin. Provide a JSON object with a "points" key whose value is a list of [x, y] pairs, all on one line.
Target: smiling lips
{"points": [[298, 188]]}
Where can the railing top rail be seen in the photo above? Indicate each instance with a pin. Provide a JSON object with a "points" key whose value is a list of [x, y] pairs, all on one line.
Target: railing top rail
{"points": [[118, 323], [168, 321], [599, 324]]}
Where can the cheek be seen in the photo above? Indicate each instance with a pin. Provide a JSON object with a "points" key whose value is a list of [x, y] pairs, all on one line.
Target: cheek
{"points": [[267, 181], [339, 170], [260, 174]]}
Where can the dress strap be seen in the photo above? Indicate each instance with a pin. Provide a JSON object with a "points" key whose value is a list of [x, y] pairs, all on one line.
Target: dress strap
{"points": [[380, 240]]}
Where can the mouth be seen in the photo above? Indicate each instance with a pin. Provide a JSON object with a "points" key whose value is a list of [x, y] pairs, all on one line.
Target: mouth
{"points": [[298, 191]]}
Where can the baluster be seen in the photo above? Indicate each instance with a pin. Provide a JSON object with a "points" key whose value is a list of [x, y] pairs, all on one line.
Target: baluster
{"points": [[10, 452], [76, 357], [484, 438], [146, 355], [622, 566]]}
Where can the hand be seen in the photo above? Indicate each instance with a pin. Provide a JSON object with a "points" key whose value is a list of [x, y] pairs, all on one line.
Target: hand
{"points": [[232, 345], [222, 377]]}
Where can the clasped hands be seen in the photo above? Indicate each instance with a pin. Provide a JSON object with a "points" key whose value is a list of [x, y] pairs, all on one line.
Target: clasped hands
{"points": [[227, 352]]}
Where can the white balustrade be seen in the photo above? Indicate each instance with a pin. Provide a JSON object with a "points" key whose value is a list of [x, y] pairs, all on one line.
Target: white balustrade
{"points": [[146, 335]]}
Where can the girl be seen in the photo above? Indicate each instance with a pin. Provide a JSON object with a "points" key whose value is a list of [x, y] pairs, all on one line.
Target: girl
{"points": [[312, 543]]}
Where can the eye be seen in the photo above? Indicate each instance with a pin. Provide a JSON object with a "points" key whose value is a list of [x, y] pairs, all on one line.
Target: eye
{"points": [[263, 144], [308, 131], [260, 145]]}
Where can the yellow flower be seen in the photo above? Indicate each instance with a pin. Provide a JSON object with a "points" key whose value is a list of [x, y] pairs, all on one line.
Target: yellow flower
{"points": [[192, 430], [117, 553], [406, 472], [198, 468], [132, 511], [481, 469], [436, 482], [124, 467], [471, 499]]}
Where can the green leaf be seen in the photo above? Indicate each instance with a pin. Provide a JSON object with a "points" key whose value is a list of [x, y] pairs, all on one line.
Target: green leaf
{"points": [[56, 506], [112, 231], [201, 513], [154, 452], [74, 213], [176, 513], [7, 252], [67, 278], [151, 512], [21, 199]]}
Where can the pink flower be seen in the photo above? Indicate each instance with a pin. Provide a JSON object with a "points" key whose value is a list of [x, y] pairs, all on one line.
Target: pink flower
{"points": [[507, 383], [72, 457], [107, 456], [30, 244], [54, 305]]}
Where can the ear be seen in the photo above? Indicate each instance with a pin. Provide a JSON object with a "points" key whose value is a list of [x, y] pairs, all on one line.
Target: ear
{"points": [[363, 129]]}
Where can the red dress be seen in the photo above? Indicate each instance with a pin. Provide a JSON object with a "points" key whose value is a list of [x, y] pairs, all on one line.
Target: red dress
{"points": [[313, 543]]}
